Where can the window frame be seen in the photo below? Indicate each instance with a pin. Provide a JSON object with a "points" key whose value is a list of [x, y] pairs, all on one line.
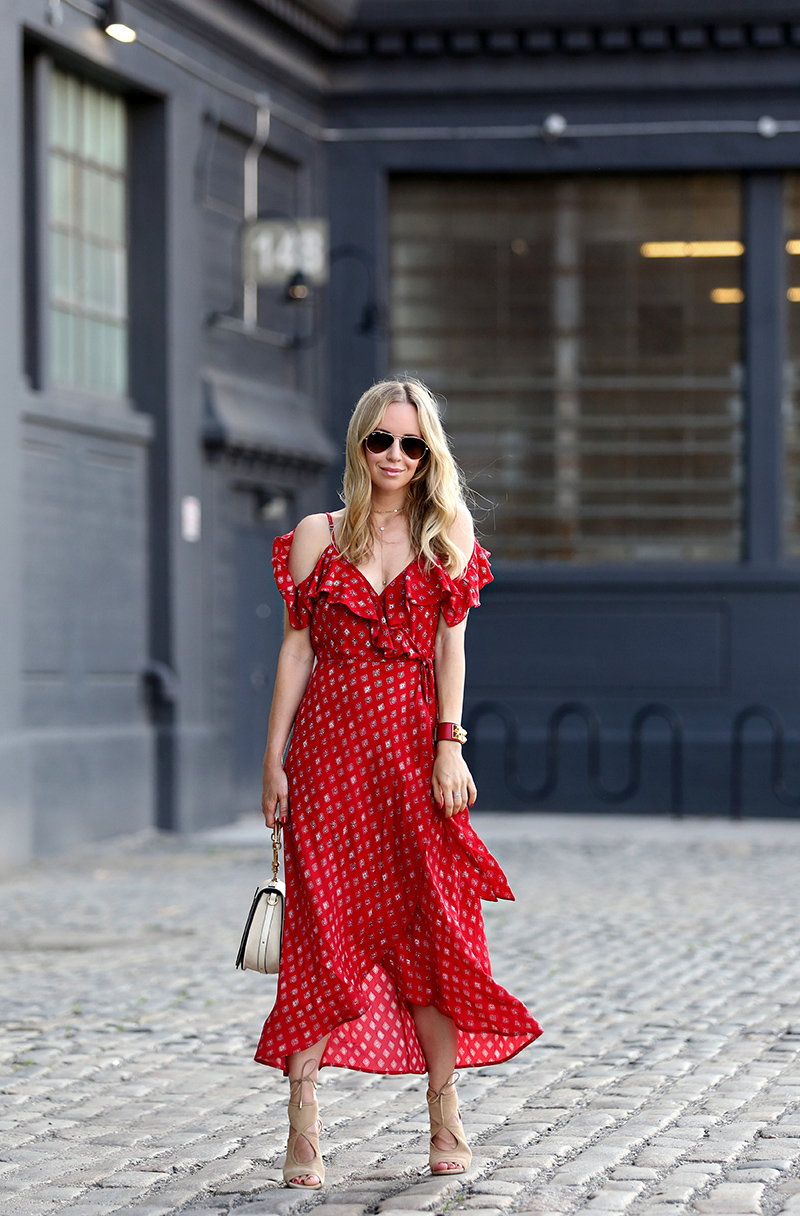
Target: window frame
{"points": [[558, 567], [37, 358]]}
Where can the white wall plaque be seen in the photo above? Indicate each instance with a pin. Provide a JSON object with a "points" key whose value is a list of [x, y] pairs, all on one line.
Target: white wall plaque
{"points": [[191, 517], [274, 250]]}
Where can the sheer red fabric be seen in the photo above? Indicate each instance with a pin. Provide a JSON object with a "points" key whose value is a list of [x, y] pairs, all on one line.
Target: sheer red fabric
{"points": [[383, 893]]}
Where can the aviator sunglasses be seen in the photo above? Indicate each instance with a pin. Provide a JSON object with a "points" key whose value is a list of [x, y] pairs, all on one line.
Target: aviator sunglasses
{"points": [[411, 445]]}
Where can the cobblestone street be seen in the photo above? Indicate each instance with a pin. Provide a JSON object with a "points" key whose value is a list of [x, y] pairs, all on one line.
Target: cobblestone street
{"points": [[663, 960]]}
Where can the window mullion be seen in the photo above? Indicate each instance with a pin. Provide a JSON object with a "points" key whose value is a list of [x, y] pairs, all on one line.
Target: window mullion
{"points": [[764, 316]]}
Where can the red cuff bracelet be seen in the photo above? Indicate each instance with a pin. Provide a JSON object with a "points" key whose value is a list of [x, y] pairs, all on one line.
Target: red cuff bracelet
{"points": [[450, 732]]}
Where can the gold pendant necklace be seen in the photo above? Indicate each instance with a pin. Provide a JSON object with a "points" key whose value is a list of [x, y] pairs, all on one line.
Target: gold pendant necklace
{"points": [[383, 567], [395, 511]]}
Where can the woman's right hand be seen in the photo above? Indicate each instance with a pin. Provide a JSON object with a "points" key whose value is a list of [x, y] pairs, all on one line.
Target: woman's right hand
{"points": [[275, 794]]}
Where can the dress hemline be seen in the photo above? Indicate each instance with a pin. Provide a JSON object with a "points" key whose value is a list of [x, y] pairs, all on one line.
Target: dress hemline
{"points": [[530, 1035], [404, 1072]]}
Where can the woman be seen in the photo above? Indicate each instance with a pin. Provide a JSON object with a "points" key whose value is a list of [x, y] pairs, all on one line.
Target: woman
{"points": [[384, 965]]}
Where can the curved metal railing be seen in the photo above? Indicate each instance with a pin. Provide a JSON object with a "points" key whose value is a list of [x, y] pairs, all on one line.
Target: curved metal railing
{"points": [[594, 744], [653, 709], [777, 757]]}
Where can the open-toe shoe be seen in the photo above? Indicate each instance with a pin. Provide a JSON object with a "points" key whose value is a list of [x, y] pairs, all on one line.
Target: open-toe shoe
{"points": [[305, 1124], [445, 1116]]}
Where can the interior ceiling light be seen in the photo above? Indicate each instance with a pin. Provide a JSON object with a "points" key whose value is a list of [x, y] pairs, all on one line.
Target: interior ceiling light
{"points": [[727, 295], [114, 26], [693, 249], [735, 295], [793, 246]]}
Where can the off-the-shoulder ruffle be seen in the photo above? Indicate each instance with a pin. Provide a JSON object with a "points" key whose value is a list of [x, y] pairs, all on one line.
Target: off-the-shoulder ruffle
{"points": [[298, 611], [338, 580], [461, 594], [333, 577], [301, 597]]}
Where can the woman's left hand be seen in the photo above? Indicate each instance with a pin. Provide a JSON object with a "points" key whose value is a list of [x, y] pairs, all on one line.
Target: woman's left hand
{"points": [[453, 787]]}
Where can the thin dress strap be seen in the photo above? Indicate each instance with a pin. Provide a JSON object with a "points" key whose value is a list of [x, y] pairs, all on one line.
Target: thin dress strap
{"points": [[333, 534]]}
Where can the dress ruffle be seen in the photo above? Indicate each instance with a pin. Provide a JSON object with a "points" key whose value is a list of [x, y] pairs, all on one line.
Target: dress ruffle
{"points": [[298, 611], [341, 583], [461, 594]]}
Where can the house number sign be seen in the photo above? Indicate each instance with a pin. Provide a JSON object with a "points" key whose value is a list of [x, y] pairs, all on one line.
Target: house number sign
{"points": [[275, 250]]}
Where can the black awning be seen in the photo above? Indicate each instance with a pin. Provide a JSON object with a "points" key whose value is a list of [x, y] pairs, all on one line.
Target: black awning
{"points": [[261, 420]]}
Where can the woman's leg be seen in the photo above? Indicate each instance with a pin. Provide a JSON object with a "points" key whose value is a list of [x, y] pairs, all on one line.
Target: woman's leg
{"points": [[438, 1038], [298, 1066]]}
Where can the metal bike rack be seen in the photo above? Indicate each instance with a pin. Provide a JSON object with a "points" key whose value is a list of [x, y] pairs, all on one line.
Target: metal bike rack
{"points": [[777, 757], [653, 709]]}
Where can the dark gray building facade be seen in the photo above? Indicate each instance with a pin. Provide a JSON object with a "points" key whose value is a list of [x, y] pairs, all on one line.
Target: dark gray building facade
{"points": [[579, 223]]}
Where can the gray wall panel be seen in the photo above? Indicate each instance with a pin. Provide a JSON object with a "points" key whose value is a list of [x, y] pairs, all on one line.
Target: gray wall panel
{"points": [[111, 529], [46, 463], [637, 646], [86, 573], [85, 636], [90, 785]]}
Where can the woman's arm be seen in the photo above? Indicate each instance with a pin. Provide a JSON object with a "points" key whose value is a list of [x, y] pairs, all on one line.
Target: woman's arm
{"points": [[295, 664], [453, 787]]}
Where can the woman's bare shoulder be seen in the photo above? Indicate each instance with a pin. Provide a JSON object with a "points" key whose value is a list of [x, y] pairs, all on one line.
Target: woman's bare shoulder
{"points": [[462, 531], [310, 540]]}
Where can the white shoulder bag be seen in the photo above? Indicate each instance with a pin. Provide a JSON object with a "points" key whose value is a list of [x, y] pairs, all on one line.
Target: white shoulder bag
{"points": [[260, 947]]}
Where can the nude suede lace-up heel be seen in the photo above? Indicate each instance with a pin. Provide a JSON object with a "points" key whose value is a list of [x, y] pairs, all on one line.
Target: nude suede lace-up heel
{"points": [[303, 1116], [444, 1115]]}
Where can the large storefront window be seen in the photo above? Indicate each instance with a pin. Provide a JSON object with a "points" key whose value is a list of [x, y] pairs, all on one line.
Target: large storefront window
{"points": [[791, 396], [586, 335], [88, 237]]}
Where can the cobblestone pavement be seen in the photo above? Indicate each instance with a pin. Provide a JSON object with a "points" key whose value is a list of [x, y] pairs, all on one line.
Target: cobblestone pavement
{"points": [[662, 958]]}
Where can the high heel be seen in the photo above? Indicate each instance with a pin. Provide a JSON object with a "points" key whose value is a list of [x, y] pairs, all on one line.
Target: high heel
{"points": [[444, 1115], [303, 1116]]}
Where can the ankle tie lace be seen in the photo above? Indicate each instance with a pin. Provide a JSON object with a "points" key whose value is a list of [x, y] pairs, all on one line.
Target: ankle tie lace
{"points": [[297, 1084]]}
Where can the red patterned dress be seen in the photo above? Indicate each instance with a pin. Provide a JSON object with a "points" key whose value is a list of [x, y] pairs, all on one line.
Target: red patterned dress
{"points": [[383, 893]]}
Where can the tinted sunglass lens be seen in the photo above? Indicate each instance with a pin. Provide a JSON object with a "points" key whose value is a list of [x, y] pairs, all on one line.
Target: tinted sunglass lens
{"points": [[414, 448], [378, 441]]}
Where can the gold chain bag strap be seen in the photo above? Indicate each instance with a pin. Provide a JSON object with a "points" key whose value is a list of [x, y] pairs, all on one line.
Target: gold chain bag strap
{"points": [[260, 947]]}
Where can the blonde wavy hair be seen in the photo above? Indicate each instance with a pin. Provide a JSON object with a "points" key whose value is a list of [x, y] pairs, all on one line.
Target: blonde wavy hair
{"points": [[435, 492]]}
